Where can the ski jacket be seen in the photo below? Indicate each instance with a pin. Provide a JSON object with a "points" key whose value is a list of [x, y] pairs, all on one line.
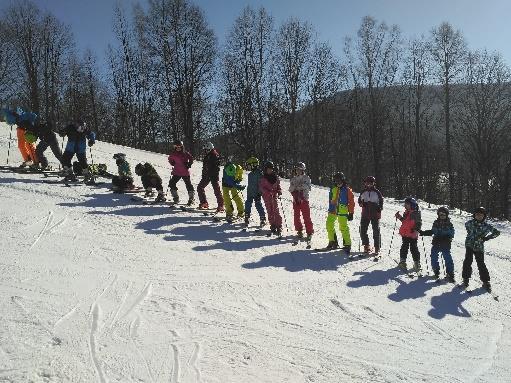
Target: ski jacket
{"points": [[230, 177], [269, 185], [254, 177], [410, 224], [42, 131], [74, 133], [300, 186], [478, 233], [211, 166], [442, 232], [181, 161], [123, 168], [149, 176], [371, 201], [341, 201]]}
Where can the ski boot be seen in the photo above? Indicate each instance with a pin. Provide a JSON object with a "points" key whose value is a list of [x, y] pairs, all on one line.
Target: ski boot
{"points": [[88, 178], [367, 249], [278, 232], [26, 163], [220, 209], [436, 274], [160, 197], [203, 206], [191, 198], [67, 173], [402, 265], [229, 218], [417, 267], [465, 283], [175, 196], [450, 278], [347, 250], [262, 222], [299, 234], [487, 286], [148, 192], [246, 222], [332, 245]]}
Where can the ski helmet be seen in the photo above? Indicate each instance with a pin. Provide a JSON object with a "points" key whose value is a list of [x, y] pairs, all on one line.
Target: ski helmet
{"points": [[370, 179], [413, 202], [269, 165], [208, 146], [252, 161], [339, 177], [119, 156], [481, 210], [138, 169], [442, 209], [300, 165], [177, 143]]}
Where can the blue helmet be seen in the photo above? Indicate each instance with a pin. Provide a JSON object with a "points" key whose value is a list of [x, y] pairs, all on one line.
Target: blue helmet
{"points": [[413, 203]]}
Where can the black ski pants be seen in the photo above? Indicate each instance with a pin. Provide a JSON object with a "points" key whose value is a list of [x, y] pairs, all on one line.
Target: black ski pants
{"points": [[410, 243], [186, 179], [467, 265], [48, 141], [364, 226]]}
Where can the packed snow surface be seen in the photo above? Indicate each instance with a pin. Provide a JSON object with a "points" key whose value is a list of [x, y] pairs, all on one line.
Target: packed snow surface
{"points": [[97, 288]]}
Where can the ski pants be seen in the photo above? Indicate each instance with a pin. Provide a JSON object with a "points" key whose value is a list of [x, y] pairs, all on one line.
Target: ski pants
{"points": [[232, 194], [364, 226], [256, 200], [216, 188], [303, 208], [78, 148], [272, 208], [123, 182], [27, 149], [467, 265], [410, 243], [446, 253], [52, 142], [186, 180], [343, 227]]}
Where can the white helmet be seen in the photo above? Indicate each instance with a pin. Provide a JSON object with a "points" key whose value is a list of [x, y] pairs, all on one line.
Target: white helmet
{"points": [[208, 146], [300, 165]]}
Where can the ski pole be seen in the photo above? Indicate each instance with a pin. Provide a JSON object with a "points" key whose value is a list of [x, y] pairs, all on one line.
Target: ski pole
{"points": [[9, 148], [283, 214], [391, 241], [62, 148], [359, 234], [425, 256], [91, 156]]}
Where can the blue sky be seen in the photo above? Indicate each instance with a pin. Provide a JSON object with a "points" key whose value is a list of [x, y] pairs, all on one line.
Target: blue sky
{"points": [[485, 24]]}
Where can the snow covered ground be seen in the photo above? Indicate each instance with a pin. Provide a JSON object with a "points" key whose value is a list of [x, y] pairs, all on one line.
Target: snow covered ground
{"points": [[97, 288]]}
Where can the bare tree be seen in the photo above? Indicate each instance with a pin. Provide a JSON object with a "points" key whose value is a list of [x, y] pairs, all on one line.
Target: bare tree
{"points": [[448, 48]]}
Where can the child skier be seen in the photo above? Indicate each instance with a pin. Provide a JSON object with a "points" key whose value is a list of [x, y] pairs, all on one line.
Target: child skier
{"points": [[26, 148], [210, 173], [443, 233], [181, 161], [341, 207], [300, 186], [269, 185], [123, 181], [409, 231], [231, 189], [253, 192], [150, 180], [77, 134], [478, 232], [371, 202]]}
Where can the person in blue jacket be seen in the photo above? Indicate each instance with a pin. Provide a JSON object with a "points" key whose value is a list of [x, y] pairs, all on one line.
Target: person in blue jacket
{"points": [[77, 136]]}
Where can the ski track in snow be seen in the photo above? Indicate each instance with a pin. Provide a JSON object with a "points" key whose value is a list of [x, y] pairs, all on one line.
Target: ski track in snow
{"points": [[95, 317], [489, 361], [193, 361], [140, 298], [48, 222], [133, 333]]}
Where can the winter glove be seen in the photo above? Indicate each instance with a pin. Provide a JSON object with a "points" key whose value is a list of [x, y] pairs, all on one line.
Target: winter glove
{"points": [[398, 215], [172, 162], [188, 165], [91, 142], [421, 232], [350, 217]]}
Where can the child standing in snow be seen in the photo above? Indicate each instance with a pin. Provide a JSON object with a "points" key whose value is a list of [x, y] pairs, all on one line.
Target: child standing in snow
{"points": [[150, 180], [478, 232], [253, 192], [409, 231], [181, 162], [300, 186], [371, 202], [341, 206], [231, 189], [269, 185], [443, 233]]}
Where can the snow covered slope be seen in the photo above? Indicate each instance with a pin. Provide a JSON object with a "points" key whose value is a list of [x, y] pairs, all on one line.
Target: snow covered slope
{"points": [[95, 288]]}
